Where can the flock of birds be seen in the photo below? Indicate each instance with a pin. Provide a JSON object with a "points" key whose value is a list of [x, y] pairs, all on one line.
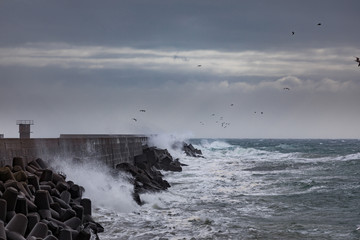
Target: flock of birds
{"points": [[220, 120], [141, 110]]}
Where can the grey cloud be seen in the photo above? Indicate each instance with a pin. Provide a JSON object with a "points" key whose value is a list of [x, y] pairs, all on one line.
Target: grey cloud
{"points": [[310, 62], [88, 66], [181, 24]]}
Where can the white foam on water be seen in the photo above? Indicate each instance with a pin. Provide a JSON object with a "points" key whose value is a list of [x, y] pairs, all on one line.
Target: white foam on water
{"points": [[349, 157], [218, 144], [222, 150], [103, 188]]}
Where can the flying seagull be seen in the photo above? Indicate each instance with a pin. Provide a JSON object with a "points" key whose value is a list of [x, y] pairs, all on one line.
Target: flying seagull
{"points": [[358, 61], [134, 119], [142, 110], [286, 88]]}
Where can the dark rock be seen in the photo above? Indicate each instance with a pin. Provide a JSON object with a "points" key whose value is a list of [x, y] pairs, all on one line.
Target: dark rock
{"points": [[145, 170], [34, 181], [76, 191], [19, 161], [21, 205], [33, 219], [16, 227], [6, 174], [144, 179], [84, 234], [65, 234], [47, 175], [41, 163], [35, 198], [136, 197], [191, 151], [40, 230], [3, 210], [2, 231], [62, 186], [161, 159]]}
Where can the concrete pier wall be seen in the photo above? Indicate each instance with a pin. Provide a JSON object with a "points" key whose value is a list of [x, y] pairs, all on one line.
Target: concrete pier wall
{"points": [[109, 149]]}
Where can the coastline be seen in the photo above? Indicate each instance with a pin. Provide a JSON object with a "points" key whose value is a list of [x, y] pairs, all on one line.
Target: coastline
{"points": [[49, 206]]}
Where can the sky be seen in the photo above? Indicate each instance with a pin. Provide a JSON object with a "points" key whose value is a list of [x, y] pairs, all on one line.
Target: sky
{"points": [[199, 68]]}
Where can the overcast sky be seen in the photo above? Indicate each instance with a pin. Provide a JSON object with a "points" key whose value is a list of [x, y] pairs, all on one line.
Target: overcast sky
{"points": [[203, 68]]}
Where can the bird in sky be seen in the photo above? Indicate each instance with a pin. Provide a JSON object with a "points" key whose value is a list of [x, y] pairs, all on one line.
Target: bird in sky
{"points": [[357, 60], [135, 120], [293, 33], [199, 65], [142, 110], [225, 124], [319, 24], [286, 88], [232, 104]]}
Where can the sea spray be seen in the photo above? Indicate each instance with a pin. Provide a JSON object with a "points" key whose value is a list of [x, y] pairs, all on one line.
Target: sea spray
{"points": [[102, 186], [168, 141]]}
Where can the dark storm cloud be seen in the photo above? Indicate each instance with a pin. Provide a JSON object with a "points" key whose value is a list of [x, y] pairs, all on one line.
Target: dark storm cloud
{"points": [[181, 24]]}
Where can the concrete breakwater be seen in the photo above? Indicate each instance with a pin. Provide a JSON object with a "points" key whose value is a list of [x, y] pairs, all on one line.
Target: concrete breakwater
{"points": [[37, 203], [108, 149]]}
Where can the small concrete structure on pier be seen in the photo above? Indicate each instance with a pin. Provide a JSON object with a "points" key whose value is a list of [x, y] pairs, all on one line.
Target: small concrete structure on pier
{"points": [[24, 128]]}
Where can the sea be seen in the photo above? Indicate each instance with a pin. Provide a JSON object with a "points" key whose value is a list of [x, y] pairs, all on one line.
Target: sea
{"points": [[240, 189]]}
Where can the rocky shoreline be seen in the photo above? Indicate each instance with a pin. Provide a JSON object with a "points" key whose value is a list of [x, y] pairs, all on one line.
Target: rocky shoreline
{"points": [[146, 170], [39, 203]]}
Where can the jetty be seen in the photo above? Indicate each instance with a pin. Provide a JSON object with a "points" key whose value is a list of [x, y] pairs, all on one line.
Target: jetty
{"points": [[37, 202], [110, 149]]}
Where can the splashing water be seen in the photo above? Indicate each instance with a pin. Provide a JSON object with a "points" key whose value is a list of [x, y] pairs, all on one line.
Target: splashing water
{"points": [[103, 187], [168, 141]]}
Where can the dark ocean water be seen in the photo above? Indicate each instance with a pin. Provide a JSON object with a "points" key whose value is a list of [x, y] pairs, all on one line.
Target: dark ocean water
{"points": [[248, 189]]}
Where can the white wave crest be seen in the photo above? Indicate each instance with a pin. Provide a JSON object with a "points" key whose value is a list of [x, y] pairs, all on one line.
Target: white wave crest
{"points": [[214, 144]]}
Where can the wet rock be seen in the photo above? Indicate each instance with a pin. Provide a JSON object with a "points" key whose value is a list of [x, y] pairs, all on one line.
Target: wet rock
{"points": [[145, 172], [160, 159], [191, 151], [37, 203]]}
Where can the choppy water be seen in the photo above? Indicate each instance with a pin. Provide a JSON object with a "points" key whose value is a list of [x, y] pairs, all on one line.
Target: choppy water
{"points": [[249, 189]]}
